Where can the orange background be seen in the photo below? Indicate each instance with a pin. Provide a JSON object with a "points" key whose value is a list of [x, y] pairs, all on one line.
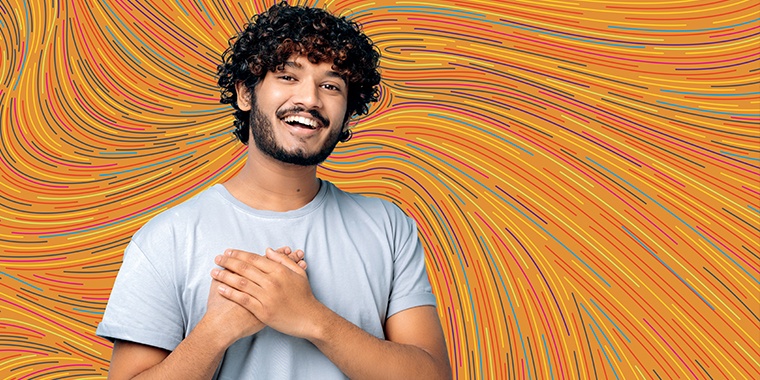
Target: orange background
{"points": [[584, 175]]}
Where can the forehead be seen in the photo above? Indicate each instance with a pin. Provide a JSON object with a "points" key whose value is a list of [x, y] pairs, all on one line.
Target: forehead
{"points": [[301, 63]]}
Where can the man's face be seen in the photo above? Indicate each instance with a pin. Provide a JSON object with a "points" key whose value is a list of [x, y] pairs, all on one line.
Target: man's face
{"points": [[298, 112]]}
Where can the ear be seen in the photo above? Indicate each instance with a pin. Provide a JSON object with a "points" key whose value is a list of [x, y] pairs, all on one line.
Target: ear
{"points": [[243, 96], [346, 133], [348, 123]]}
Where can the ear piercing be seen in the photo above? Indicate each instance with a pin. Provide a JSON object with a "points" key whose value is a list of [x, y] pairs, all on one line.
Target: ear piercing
{"points": [[346, 135]]}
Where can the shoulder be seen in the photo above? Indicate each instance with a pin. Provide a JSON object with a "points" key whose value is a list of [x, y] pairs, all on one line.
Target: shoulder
{"points": [[180, 219], [383, 213], [380, 207]]}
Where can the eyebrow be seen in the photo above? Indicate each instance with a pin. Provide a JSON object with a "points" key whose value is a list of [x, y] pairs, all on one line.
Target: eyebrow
{"points": [[331, 73]]}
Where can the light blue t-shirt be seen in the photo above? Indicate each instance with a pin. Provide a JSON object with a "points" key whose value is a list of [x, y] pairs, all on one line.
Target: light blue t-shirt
{"points": [[365, 262]]}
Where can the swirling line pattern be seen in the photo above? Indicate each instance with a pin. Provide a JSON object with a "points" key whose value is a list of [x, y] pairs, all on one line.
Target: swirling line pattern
{"points": [[584, 174]]}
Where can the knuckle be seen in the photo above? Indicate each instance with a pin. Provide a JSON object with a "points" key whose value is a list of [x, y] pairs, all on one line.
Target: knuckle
{"points": [[242, 282]]}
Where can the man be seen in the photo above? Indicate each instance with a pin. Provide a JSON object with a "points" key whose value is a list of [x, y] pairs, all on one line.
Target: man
{"points": [[200, 293]]}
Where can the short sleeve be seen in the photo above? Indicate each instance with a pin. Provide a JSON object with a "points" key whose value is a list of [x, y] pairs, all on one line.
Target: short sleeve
{"points": [[143, 306], [410, 287]]}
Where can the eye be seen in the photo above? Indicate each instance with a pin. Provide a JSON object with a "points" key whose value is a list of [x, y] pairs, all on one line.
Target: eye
{"points": [[337, 88], [286, 78]]}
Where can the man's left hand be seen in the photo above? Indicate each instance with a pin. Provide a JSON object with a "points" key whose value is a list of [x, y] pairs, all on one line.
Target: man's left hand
{"points": [[272, 287]]}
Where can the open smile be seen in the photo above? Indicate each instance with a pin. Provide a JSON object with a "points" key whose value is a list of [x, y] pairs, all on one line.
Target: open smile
{"points": [[302, 126], [300, 118], [301, 122]]}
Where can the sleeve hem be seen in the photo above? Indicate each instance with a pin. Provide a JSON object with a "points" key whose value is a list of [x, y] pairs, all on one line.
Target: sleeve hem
{"points": [[150, 338], [410, 301]]}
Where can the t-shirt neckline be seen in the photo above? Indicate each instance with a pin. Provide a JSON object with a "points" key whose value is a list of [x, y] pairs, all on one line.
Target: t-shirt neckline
{"points": [[307, 208]]}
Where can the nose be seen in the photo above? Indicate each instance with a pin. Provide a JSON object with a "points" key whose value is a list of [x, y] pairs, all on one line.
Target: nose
{"points": [[307, 95]]}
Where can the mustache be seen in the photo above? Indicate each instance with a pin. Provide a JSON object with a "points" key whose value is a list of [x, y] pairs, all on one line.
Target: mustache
{"points": [[314, 113]]}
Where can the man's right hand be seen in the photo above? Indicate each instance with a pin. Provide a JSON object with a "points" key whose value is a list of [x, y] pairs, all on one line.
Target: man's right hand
{"points": [[231, 321]]}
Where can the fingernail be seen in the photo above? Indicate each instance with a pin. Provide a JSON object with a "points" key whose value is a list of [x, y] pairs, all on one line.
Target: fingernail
{"points": [[228, 252], [215, 272], [218, 259], [222, 288]]}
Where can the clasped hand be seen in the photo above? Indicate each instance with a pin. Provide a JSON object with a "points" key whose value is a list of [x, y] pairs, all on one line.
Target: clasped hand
{"points": [[272, 289]]}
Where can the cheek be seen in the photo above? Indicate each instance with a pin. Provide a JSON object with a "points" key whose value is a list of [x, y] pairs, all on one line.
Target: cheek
{"points": [[338, 115], [269, 98]]}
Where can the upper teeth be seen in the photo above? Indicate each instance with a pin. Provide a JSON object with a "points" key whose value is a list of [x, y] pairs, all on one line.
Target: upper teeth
{"points": [[302, 120]]}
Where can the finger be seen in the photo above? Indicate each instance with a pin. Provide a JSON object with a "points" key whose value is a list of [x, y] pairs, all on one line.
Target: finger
{"points": [[253, 260], [245, 300], [284, 260], [300, 261], [243, 268], [293, 256], [244, 255], [286, 250], [241, 255], [238, 252], [235, 281]]}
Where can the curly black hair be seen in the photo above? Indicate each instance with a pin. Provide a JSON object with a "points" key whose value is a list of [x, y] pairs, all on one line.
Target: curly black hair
{"points": [[272, 37]]}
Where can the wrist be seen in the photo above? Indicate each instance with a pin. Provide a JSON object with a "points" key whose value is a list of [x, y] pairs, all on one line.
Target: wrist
{"points": [[213, 333], [320, 326]]}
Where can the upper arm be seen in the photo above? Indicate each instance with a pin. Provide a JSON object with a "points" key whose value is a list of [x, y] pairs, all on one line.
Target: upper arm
{"points": [[144, 305], [130, 359], [419, 326]]}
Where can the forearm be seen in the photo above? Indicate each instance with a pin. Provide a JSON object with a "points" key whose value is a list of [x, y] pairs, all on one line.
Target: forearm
{"points": [[361, 355], [196, 357]]}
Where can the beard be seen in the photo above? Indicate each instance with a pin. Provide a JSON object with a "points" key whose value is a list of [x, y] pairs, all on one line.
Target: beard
{"points": [[262, 132]]}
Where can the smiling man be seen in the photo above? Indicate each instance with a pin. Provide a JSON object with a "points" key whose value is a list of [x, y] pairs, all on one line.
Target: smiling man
{"points": [[201, 294]]}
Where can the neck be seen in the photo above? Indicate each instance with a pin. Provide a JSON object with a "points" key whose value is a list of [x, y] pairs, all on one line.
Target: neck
{"points": [[267, 184]]}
